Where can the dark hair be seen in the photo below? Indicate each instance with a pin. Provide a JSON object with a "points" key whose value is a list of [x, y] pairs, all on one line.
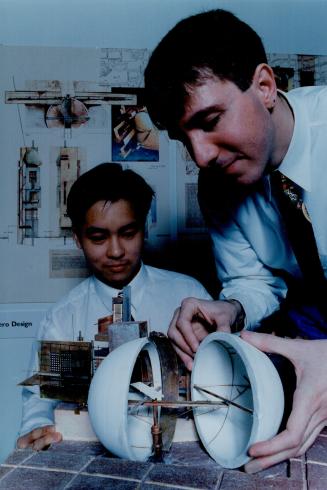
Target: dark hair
{"points": [[108, 182], [213, 43]]}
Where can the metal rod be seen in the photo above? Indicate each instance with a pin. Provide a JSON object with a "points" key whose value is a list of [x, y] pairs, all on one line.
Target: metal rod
{"points": [[156, 432], [225, 400], [176, 403]]}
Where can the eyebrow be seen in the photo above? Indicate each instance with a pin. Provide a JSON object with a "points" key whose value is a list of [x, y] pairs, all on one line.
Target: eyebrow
{"points": [[96, 229], [132, 224]]}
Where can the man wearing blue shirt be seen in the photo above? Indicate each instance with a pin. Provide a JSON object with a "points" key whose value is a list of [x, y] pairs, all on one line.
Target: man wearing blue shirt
{"points": [[209, 85]]}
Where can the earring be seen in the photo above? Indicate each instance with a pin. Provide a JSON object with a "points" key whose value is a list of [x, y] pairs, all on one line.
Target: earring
{"points": [[272, 104]]}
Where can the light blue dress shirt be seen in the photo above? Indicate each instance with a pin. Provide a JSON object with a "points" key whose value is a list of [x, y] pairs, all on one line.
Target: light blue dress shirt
{"points": [[254, 245]]}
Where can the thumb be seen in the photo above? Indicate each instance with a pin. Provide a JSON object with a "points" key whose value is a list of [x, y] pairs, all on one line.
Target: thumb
{"points": [[269, 343], [57, 437]]}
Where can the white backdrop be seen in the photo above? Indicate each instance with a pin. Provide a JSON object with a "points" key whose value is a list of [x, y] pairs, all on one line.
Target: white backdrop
{"points": [[285, 25]]}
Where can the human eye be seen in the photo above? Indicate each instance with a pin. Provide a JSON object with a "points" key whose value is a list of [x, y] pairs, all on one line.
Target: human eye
{"points": [[128, 234], [96, 236], [210, 123]]}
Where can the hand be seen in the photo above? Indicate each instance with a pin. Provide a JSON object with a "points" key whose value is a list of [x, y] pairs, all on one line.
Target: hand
{"points": [[194, 320], [309, 411], [40, 438]]}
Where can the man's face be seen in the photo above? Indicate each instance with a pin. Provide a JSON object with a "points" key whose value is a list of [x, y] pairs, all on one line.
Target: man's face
{"points": [[112, 241], [225, 127]]}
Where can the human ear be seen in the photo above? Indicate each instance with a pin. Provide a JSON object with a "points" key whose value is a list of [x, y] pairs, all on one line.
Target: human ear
{"points": [[265, 85], [76, 239]]}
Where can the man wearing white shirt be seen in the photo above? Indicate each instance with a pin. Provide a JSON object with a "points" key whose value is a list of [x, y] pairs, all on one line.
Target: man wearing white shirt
{"points": [[260, 245], [209, 85], [108, 207]]}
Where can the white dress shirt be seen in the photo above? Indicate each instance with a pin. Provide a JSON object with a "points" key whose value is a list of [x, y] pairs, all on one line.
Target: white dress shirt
{"points": [[253, 246], [155, 294]]}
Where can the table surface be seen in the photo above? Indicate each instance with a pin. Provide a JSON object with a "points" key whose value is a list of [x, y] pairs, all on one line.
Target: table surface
{"points": [[87, 465]]}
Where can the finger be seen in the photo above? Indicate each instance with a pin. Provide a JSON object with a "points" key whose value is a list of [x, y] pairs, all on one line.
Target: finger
{"points": [[199, 330], [294, 434], [309, 437], [176, 336], [22, 443], [178, 340], [186, 359], [259, 464], [203, 314], [173, 320], [189, 310], [300, 433], [265, 459], [285, 441], [271, 343], [28, 439], [262, 463], [190, 339], [46, 440]]}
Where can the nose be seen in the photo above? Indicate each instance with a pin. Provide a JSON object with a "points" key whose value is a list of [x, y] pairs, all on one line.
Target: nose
{"points": [[115, 248], [203, 151]]}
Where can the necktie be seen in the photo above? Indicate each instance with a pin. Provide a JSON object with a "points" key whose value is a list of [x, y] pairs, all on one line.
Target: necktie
{"points": [[300, 232]]}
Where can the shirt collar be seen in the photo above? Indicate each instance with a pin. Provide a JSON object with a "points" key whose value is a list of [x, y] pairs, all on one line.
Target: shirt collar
{"points": [[296, 163], [137, 287], [106, 293]]}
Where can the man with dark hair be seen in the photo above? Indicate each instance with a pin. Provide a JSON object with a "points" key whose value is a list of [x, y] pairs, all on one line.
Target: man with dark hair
{"points": [[261, 154], [108, 207], [108, 182], [201, 45]]}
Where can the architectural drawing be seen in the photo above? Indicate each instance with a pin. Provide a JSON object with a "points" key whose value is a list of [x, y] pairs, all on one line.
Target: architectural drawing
{"points": [[134, 137], [298, 70], [122, 67], [68, 172], [67, 264], [190, 167], [56, 108], [29, 193]]}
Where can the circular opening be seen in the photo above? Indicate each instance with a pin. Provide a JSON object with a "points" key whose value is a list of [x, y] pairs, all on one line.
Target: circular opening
{"points": [[145, 384], [125, 430], [219, 375]]}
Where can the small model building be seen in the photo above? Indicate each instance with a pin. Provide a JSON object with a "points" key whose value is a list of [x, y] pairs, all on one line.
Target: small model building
{"points": [[65, 370], [66, 367]]}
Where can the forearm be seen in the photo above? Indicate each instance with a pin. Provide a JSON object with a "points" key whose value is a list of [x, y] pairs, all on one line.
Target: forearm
{"points": [[37, 412]]}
